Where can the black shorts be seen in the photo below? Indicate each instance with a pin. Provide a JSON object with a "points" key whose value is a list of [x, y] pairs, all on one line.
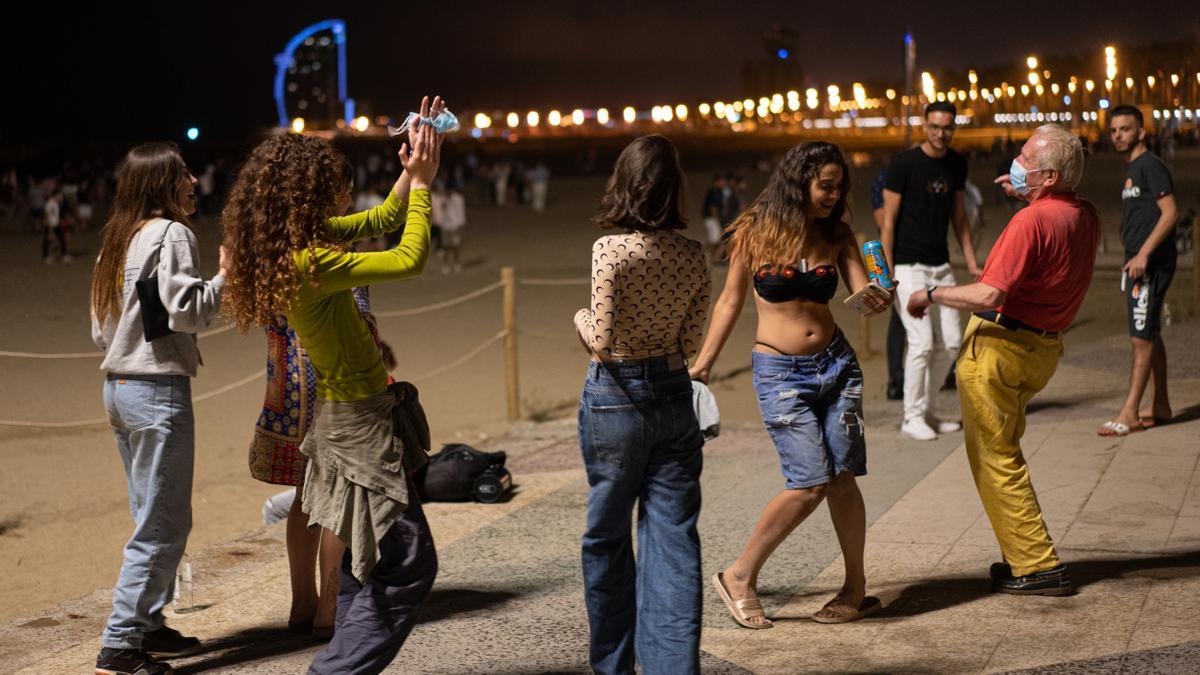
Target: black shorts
{"points": [[1144, 299]]}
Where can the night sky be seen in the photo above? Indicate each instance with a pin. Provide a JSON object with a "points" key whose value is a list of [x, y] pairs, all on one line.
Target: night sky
{"points": [[125, 71]]}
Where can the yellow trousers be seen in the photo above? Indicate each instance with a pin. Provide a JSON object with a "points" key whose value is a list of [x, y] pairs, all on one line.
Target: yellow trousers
{"points": [[999, 371]]}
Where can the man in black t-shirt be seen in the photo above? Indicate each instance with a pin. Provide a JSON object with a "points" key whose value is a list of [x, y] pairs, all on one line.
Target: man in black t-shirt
{"points": [[922, 197], [1147, 229]]}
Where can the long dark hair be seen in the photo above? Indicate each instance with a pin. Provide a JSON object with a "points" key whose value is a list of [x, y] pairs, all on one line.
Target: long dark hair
{"points": [[774, 228], [646, 190], [149, 182], [279, 204]]}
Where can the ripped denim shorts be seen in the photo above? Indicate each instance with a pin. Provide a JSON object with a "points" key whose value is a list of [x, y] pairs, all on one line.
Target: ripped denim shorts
{"points": [[812, 406]]}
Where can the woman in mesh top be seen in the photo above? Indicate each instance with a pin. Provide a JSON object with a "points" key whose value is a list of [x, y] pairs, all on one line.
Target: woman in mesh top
{"points": [[637, 430]]}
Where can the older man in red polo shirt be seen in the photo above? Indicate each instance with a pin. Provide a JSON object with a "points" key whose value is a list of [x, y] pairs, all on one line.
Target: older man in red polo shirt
{"points": [[1032, 286]]}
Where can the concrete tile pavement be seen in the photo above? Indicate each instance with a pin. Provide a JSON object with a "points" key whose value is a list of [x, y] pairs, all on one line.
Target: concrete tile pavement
{"points": [[1126, 513], [1122, 512]]}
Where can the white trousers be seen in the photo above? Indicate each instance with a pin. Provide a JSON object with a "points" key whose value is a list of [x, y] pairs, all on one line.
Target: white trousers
{"points": [[537, 195], [933, 340]]}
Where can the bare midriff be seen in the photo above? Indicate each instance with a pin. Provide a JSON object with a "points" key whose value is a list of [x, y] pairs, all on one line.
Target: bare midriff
{"points": [[794, 328]]}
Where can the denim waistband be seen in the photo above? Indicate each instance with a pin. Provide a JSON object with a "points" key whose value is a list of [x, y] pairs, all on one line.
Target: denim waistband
{"points": [[631, 368], [836, 349], [147, 377]]}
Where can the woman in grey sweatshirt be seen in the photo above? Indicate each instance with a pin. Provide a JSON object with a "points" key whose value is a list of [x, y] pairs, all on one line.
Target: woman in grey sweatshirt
{"points": [[147, 392]]}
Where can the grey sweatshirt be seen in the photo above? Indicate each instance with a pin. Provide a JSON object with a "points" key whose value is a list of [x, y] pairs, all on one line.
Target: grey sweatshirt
{"points": [[191, 303]]}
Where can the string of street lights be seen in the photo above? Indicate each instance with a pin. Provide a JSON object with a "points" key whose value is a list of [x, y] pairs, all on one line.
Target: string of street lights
{"points": [[1038, 99]]}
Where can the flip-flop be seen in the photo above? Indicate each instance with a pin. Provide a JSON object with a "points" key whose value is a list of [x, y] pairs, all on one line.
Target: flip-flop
{"points": [[741, 610], [1115, 428], [843, 614]]}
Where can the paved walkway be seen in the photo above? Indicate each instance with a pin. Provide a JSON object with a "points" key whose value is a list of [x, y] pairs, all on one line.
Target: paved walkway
{"points": [[1125, 513]]}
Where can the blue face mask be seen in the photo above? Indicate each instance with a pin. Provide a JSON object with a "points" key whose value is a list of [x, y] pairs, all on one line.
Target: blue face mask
{"points": [[443, 123], [1017, 176]]}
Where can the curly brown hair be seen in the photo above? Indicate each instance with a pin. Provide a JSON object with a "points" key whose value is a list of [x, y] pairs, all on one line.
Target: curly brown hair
{"points": [[279, 204], [774, 228]]}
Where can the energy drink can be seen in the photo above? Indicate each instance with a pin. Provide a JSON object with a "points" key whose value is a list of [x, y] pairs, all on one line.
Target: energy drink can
{"points": [[877, 266]]}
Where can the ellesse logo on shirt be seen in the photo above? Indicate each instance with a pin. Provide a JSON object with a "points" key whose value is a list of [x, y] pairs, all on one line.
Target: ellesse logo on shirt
{"points": [[1131, 191]]}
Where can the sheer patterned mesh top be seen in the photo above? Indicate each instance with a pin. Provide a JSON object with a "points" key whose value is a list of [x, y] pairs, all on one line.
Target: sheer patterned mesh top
{"points": [[776, 283], [650, 295]]}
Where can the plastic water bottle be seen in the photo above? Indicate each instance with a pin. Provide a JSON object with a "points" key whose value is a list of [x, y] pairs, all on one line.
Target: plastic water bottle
{"points": [[185, 597]]}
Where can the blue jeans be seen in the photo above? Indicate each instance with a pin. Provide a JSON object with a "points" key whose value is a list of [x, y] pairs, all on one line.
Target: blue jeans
{"points": [[641, 442], [151, 417], [812, 407]]}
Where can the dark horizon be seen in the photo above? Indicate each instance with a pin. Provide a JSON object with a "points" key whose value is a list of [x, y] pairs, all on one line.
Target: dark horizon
{"points": [[151, 70]]}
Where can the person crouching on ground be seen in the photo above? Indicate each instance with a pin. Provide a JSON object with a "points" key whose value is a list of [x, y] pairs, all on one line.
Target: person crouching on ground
{"points": [[792, 245], [1031, 288], [148, 391], [286, 255], [637, 430]]}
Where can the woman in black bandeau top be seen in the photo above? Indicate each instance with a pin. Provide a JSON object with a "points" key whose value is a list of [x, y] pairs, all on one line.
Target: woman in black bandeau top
{"points": [[792, 246]]}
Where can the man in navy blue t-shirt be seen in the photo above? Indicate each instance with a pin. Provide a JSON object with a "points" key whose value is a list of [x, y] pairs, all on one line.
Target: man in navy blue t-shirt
{"points": [[1147, 229]]}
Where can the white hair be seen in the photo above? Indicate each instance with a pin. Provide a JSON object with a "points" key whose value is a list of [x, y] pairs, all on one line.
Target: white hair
{"points": [[1062, 152]]}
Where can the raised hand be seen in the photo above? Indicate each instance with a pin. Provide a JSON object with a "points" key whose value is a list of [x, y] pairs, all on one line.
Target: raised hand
{"points": [[427, 111], [422, 159]]}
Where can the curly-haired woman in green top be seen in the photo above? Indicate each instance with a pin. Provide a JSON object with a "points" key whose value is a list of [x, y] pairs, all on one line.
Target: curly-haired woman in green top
{"points": [[287, 255]]}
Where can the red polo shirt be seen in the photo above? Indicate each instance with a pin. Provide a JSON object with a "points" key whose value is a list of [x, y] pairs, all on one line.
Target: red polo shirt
{"points": [[1044, 260]]}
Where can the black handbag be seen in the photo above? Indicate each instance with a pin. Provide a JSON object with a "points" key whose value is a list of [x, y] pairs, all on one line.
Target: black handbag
{"points": [[155, 320]]}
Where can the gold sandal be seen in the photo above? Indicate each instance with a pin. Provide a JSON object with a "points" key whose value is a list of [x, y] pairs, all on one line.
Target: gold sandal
{"points": [[844, 614], [741, 610]]}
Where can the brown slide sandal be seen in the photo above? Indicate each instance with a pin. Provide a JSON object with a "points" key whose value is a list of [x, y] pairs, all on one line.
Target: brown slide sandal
{"points": [[741, 610], [832, 613]]}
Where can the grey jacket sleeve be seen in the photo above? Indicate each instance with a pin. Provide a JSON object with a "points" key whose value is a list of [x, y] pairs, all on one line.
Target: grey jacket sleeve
{"points": [[191, 302], [98, 334]]}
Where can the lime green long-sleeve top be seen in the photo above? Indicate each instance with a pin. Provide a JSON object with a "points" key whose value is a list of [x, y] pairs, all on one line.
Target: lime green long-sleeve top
{"points": [[339, 344]]}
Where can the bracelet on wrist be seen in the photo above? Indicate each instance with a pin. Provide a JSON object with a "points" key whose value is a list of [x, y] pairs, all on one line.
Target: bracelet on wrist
{"points": [[929, 293]]}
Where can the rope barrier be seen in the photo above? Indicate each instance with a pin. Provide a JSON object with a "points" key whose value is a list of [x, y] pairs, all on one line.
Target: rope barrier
{"points": [[476, 351], [104, 420], [97, 354], [466, 357], [247, 380], [440, 305], [216, 331], [554, 282], [65, 355], [228, 327], [545, 335]]}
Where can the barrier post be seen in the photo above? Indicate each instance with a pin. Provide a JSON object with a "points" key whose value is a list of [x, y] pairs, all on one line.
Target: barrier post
{"points": [[509, 279]]}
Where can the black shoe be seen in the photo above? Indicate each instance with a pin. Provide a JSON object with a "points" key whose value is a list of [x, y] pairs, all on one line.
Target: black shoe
{"points": [[1000, 570], [129, 662], [895, 391], [167, 642], [1051, 582]]}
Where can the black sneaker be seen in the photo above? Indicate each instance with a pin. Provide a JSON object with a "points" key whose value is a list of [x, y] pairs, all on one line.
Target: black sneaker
{"points": [[1051, 582], [167, 642], [129, 662], [895, 391]]}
